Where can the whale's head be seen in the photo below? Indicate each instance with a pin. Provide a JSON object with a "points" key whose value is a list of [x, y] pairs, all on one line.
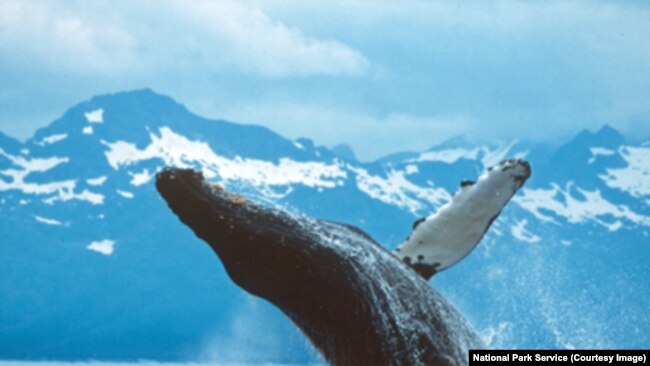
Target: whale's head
{"points": [[266, 252]]}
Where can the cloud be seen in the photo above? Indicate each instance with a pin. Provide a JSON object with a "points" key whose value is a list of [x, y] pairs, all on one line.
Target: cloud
{"points": [[44, 34], [378, 75], [372, 136], [133, 38], [615, 30], [255, 43]]}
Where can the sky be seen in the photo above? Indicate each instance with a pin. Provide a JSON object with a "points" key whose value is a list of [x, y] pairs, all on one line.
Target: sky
{"points": [[381, 76]]}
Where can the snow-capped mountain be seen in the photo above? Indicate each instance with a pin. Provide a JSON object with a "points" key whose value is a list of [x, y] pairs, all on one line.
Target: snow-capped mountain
{"points": [[95, 266]]}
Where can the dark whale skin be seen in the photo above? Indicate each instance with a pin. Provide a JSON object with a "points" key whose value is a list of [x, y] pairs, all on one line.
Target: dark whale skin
{"points": [[355, 301]]}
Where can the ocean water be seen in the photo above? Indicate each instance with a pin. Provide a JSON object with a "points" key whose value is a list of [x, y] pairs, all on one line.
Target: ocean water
{"points": [[140, 363]]}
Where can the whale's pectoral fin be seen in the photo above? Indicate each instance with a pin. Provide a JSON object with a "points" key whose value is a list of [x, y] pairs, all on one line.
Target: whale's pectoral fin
{"points": [[446, 237]]}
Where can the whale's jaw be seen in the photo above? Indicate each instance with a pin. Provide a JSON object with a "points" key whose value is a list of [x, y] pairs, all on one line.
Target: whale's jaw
{"points": [[356, 302]]}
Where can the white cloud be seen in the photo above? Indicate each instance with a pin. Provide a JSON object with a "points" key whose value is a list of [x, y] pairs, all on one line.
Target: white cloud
{"points": [[536, 70], [140, 38], [48, 33], [504, 16], [246, 38]]}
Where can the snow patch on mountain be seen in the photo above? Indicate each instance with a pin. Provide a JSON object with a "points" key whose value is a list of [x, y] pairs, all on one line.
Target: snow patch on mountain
{"points": [[96, 116], [411, 169], [177, 150], [47, 221], [138, 179], [125, 194], [35, 164], [588, 206], [61, 190], [398, 191], [599, 151], [33, 188], [96, 181], [68, 194], [449, 156], [635, 177], [520, 232], [24, 167], [487, 155], [49, 140], [105, 247]]}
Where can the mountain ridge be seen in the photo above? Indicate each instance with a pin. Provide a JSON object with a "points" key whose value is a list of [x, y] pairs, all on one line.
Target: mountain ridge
{"points": [[147, 96]]}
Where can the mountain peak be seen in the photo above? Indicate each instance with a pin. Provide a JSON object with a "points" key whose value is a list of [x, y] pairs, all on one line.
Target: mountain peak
{"points": [[344, 151], [137, 99], [608, 132], [117, 115], [139, 95], [606, 136]]}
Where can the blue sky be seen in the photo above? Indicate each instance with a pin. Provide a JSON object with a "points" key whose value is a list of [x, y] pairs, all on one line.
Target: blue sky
{"points": [[379, 75]]}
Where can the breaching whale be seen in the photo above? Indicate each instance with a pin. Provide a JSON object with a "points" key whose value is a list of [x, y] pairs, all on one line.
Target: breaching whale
{"points": [[358, 303]]}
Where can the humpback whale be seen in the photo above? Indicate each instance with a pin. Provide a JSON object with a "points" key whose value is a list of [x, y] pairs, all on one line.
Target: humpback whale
{"points": [[440, 240], [357, 302]]}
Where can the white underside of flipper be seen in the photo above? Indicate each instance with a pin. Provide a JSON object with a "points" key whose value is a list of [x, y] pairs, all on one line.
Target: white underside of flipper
{"points": [[447, 236]]}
